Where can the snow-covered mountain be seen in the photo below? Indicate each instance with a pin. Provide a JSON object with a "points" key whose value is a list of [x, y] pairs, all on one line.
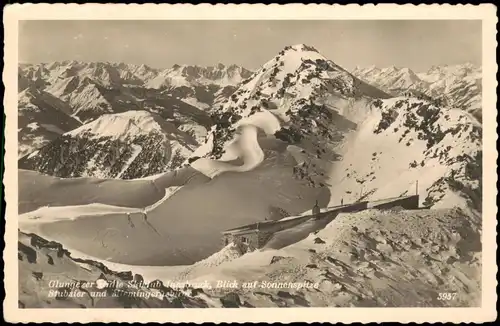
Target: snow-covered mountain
{"points": [[199, 86], [318, 110], [336, 124], [311, 96], [392, 79], [95, 88], [41, 119], [89, 100], [186, 75], [105, 73], [125, 145], [455, 85], [300, 130], [460, 84], [408, 146]]}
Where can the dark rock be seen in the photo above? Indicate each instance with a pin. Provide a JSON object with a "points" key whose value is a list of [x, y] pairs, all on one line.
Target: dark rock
{"points": [[193, 159], [28, 251], [231, 300], [195, 292], [156, 284], [276, 259], [125, 276], [38, 275], [318, 240], [177, 303], [284, 294], [138, 279]]}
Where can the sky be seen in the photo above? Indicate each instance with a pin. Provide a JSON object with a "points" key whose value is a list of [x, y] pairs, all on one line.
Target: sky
{"points": [[416, 44]]}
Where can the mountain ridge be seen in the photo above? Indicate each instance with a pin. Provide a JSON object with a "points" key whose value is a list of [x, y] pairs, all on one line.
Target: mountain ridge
{"points": [[452, 85], [126, 145]]}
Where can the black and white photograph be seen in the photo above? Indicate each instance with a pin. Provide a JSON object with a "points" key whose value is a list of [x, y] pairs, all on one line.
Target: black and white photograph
{"points": [[250, 163]]}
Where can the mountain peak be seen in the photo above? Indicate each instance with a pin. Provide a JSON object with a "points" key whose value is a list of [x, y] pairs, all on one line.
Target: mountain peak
{"points": [[301, 47], [391, 69], [124, 125], [126, 145]]}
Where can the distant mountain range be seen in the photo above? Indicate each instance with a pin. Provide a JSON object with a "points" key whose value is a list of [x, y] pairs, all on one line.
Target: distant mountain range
{"points": [[86, 91], [456, 85]]}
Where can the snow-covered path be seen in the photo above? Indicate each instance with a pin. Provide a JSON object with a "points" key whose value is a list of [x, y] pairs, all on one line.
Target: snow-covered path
{"points": [[245, 146], [60, 213]]}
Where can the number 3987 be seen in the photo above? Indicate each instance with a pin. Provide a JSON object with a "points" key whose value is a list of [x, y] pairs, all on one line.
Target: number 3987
{"points": [[445, 296]]}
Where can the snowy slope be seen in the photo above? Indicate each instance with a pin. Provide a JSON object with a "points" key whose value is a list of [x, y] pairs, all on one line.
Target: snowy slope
{"points": [[41, 119], [186, 75], [202, 87], [46, 266], [406, 140], [397, 141], [311, 96], [300, 98], [367, 259], [300, 129], [128, 145], [455, 85], [392, 79], [105, 73], [244, 146]]}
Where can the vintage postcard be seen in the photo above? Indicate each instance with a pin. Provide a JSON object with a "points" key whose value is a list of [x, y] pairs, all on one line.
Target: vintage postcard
{"points": [[316, 163]]}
